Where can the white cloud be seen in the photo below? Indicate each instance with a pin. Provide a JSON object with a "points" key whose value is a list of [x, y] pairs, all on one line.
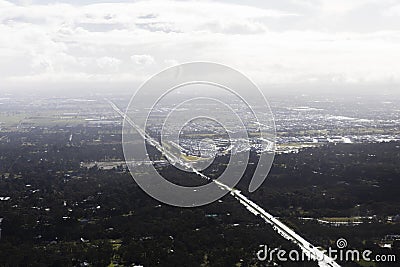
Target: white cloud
{"points": [[120, 42], [108, 63], [393, 11], [342, 6], [143, 59]]}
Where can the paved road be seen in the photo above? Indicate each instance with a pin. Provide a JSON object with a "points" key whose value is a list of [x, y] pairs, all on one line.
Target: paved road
{"points": [[307, 248]]}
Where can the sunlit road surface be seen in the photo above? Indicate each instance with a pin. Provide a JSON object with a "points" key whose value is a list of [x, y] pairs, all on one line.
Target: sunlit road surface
{"points": [[306, 247]]}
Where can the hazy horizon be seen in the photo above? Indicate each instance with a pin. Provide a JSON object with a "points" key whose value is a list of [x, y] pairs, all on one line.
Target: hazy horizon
{"points": [[316, 46]]}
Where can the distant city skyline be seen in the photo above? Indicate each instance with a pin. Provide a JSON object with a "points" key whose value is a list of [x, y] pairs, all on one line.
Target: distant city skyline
{"points": [[92, 44]]}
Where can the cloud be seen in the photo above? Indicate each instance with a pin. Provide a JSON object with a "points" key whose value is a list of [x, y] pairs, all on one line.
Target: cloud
{"points": [[142, 59], [108, 63], [56, 42], [392, 11], [234, 27]]}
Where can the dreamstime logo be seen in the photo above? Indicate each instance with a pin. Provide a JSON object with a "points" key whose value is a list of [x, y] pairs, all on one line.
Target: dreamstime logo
{"points": [[341, 243], [187, 116], [340, 253]]}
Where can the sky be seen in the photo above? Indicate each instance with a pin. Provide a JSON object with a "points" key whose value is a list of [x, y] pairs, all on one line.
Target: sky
{"points": [[119, 44]]}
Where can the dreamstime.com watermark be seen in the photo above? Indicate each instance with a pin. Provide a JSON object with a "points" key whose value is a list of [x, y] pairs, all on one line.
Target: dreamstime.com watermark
{"points": [[340, 253], [204, 94]]}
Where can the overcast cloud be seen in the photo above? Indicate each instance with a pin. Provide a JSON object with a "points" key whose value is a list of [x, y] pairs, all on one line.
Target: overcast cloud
{"points": [[45, 44]]}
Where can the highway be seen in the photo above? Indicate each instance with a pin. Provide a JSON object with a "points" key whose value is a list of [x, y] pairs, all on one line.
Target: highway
{"points": [[306, 247]]}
